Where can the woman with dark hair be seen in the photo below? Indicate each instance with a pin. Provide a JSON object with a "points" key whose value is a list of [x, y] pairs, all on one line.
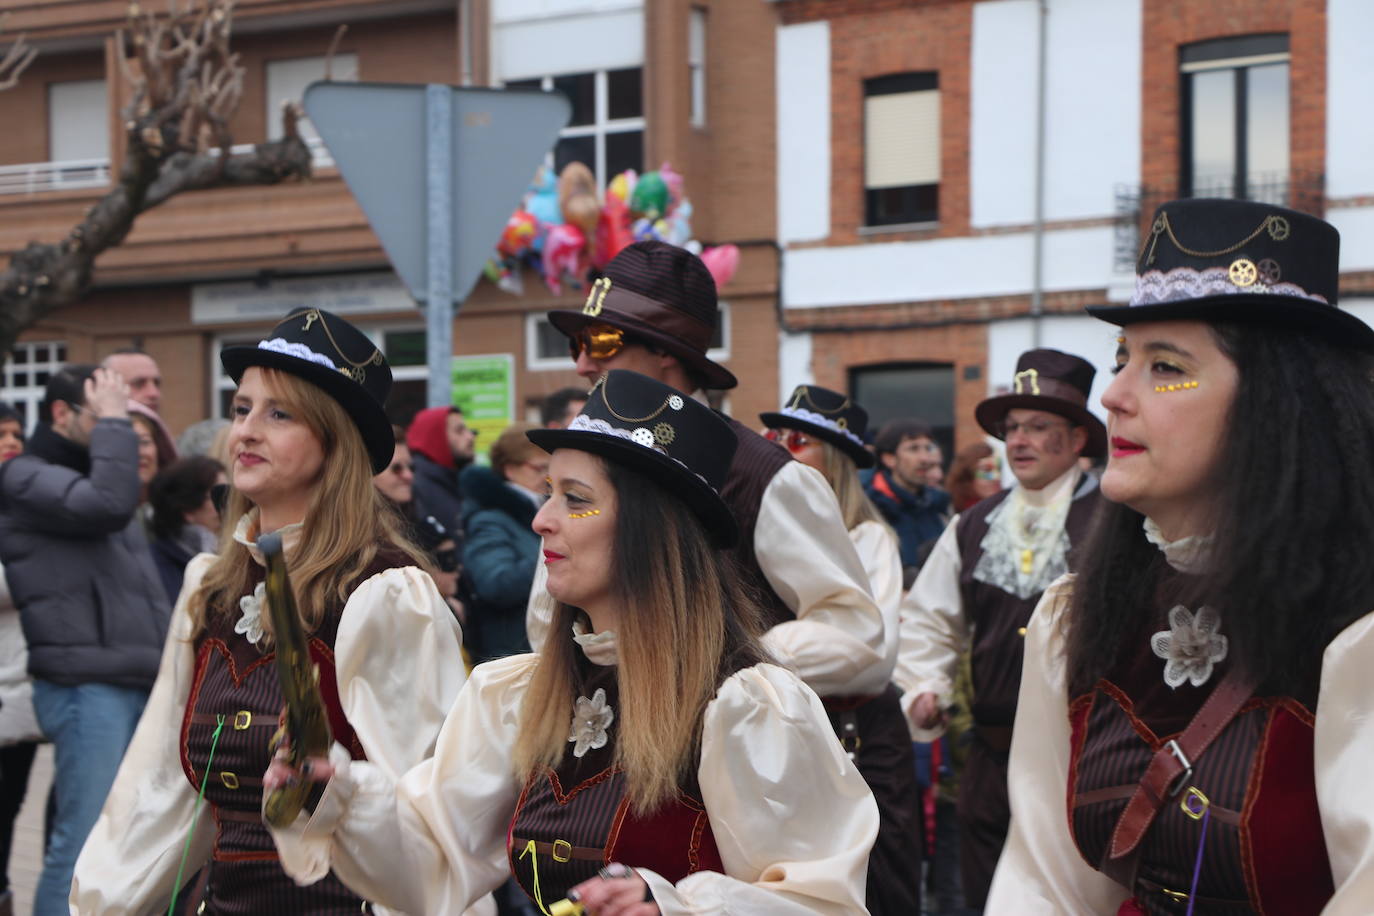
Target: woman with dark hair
{"points": [[308, 434], [19, 731], [185, 520], [1200, 692], [648, 760], [975, 474], [824, 429]]}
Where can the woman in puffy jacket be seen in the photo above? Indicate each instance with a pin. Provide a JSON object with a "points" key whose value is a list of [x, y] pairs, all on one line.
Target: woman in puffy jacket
{"points": [[501, 549]]}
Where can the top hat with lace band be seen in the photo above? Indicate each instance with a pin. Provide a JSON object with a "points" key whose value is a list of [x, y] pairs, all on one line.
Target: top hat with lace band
{"points": [[1240, 261], [645, 425], [827, 415], [661, 294], [1052, 381], [327, 351]]}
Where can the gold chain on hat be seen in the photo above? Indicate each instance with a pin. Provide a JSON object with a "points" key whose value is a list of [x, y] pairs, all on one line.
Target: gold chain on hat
{"points": [[1277, 227], [667, 402], [357, 372], [805, 392]]}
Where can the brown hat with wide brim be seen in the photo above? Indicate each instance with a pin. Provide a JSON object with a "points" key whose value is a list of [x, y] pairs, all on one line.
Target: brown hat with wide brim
{"points": [[1052, 381], [663, 295]]}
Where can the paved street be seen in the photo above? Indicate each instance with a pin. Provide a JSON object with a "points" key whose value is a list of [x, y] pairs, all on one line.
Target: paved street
{"points": [[26, 858]]}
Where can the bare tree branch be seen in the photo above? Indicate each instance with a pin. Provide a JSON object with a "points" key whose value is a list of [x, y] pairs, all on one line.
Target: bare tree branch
{"points": [[333, 49], [16, 59], [185, 87]]}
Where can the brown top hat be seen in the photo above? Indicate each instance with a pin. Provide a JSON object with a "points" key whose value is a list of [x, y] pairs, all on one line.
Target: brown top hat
{"points": [[663, 295], [1052, 381]]}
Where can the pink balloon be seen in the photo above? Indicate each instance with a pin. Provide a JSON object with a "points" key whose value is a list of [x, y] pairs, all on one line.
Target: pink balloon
{"points": [[565, 254], [721, 261]]}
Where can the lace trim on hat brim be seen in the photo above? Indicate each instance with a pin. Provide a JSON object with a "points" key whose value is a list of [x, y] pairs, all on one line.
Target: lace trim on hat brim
{"points": [[585, 424], [298, 350], [1184, 283], [801, 413]]}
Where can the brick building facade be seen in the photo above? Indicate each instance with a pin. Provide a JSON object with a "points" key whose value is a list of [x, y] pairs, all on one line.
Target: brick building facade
{"points": [[943, 304], [875, 161], [215, 267]]}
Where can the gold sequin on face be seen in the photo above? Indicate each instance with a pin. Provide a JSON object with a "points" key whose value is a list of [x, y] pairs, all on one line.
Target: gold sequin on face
{"points": [[588, 514], [1180, 386]]}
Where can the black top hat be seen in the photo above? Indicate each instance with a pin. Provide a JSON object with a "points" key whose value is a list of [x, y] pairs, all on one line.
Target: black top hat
{"points": [[1238, 260], [663, 294], [658, 431], [1053, 381], [826, 415], [331, 354]]}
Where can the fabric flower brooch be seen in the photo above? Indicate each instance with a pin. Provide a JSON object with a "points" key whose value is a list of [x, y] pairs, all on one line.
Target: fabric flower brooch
{"points": [[1190, 647], [591, 718], [250, 622]]}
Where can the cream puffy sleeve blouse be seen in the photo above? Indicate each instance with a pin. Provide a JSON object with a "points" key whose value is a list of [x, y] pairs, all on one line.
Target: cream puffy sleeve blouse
{"points": [[791, 816], [399, 667], [1041, 871]]}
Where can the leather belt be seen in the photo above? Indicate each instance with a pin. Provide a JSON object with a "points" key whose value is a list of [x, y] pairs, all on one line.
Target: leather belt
{"points": [[1169, 770]]}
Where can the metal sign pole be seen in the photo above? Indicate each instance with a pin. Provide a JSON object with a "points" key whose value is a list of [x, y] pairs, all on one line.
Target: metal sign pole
{"points": [[439, 199]]}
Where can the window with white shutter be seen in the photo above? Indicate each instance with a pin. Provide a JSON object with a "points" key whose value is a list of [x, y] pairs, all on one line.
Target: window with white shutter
{"points": [[901, 149]]}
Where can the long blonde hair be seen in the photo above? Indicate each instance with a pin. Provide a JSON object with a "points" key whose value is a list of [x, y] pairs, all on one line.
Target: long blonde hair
{"points": [[345, 520], [840, 472], [685, 626]]}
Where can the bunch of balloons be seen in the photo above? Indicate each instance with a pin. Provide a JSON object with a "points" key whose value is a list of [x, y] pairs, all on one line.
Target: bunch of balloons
{"points": [[565, 229]]}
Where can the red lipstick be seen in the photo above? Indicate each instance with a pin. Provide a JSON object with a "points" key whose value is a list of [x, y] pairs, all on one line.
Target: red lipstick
{"points": [[550, 556], [1122, 448]]}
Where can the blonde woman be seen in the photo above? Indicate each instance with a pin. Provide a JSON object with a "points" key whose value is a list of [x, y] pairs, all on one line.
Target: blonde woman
{"points": [[824, 429], [649, 760], [308, 434]]}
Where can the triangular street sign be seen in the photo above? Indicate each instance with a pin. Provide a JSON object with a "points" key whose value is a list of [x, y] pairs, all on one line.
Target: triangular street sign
{"points": [[377, 135]]}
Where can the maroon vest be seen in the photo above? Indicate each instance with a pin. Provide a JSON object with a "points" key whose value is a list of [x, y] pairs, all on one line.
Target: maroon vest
{"points": [[756, 462], [572, 821], [1265, 851], [998, 619], [235, 680]]}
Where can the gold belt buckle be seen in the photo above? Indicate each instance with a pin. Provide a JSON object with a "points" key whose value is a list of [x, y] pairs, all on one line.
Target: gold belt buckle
{"points": [[562, 850], [242, 719], [229, 780]]}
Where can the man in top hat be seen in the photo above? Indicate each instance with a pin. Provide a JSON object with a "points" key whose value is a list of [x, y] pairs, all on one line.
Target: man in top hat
{"points": [[654, 312], [984, 577]]}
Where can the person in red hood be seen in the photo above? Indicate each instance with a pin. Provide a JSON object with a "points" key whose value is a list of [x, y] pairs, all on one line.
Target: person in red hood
{"points": [[441, 445]]}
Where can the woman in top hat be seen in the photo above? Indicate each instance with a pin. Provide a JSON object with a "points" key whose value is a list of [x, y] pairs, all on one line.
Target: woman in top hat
{"points": [[648, 759], [308, 434], [1199, 695], [824, 430]]}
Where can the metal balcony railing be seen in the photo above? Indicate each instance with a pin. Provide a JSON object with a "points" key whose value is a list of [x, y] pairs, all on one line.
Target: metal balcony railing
{"points": [[75, 174], [36, 177], [1136, 204]]}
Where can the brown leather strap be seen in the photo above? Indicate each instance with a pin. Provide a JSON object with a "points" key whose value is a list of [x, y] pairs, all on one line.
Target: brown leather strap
{"points": [[1116, 793], [561, 851], [1168, 771]]}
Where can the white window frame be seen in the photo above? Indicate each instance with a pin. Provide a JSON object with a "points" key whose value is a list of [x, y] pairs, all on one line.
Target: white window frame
{"points": [[31, 394], [602, 124], [563, 363], [697, 23], [221, 382]]}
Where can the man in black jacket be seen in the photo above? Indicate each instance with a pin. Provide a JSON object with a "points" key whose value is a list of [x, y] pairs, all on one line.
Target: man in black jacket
{"points": [[94, 612]]}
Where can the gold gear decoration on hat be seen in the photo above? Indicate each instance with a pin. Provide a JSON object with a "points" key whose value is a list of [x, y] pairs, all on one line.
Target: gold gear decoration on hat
{"points": [[1243, 272], [605, 396], [664, 434], [1269, 272]]}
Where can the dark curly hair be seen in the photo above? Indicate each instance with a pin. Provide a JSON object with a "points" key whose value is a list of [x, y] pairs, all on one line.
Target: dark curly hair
{"points": [[181, 487], [1293, 517]]}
